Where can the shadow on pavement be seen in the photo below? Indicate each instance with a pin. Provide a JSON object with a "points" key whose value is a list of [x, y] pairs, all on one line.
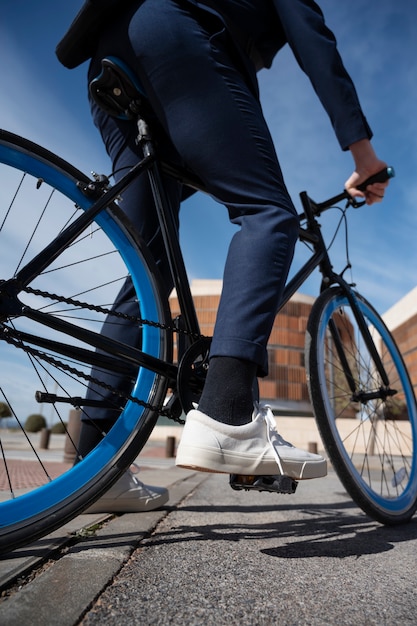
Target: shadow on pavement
{"points": [[317, 531]]}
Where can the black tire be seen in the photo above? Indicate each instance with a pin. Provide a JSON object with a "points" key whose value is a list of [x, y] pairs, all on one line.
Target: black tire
{"points": [[49, 193], [370, 436]]}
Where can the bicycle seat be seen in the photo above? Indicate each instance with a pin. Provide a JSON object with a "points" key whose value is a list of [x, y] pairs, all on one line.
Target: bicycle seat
{"points": [[117, 90]]}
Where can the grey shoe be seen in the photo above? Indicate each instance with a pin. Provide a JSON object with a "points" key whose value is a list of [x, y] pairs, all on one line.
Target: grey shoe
{"points": [[252, 449], [129, 495]]}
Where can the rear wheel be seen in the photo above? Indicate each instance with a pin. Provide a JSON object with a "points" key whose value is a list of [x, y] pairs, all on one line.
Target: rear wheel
{"points": [[368, 428], [44, 358]]}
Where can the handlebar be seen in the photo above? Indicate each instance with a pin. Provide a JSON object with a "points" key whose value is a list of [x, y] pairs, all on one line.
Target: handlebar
{"points": [[379, 177]]}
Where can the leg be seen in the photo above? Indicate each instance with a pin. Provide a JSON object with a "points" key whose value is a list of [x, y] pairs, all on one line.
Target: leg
{"points": [[128, 494], [137, 203], [219, 128], [213, 118]]}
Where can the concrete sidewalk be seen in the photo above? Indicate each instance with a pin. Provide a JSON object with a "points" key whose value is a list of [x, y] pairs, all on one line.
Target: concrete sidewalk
{"points": [[50, 581], [214, 556]]}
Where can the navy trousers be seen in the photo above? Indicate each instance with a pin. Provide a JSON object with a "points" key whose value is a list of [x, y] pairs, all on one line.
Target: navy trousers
{"points": [[206, 102]]}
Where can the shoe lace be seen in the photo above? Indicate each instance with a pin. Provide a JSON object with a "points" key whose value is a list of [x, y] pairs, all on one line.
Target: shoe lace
{"points": [[273, 435]]}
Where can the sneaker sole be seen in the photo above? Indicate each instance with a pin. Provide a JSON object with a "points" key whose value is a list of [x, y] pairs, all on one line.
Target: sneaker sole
{"points": [[213, 461]]}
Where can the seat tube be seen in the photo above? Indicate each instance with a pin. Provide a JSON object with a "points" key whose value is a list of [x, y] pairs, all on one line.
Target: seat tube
{"points": [[169, 232]]}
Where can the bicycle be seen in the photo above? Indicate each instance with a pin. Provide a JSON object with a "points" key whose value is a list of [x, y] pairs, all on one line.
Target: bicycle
{"points": [[52, 311]]}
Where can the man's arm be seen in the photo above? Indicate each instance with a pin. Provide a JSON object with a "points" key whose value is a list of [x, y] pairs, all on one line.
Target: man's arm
{"points": [[315, 48]]}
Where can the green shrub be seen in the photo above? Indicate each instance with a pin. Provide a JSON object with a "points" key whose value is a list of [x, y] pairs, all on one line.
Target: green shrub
{"points": [[5, 410], [59, 428], [35, 423]]}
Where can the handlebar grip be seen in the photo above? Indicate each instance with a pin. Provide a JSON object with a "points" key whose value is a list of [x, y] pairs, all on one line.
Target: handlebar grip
{"points": [[380, 177]]}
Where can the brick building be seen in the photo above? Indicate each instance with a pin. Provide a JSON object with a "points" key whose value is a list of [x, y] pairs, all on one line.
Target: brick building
{"points": [[401, 319]]}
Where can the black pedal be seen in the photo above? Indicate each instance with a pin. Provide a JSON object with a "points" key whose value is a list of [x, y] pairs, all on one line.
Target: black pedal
{"points": [[273, 484]]}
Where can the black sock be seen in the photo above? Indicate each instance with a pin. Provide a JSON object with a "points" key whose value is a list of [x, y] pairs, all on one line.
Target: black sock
{"points": [[228, 392]]}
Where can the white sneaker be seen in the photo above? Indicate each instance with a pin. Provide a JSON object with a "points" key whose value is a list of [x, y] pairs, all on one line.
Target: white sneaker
{"points": [[252, 449], [129, 495]]}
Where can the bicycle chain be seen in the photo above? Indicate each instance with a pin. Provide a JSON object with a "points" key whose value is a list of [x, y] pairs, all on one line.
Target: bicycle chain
{"points": [[91, 379], [105, 311]]}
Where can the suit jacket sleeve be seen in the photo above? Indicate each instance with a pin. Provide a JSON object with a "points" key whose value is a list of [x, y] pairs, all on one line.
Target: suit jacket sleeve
{"points": [[315, 49]]}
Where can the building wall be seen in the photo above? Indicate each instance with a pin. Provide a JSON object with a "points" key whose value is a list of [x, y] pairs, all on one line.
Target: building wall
{"points": [[405, 337], [286, 379], [401, 319]]}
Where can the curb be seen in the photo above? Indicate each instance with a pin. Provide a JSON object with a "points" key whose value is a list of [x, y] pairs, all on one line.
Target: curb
{"points": [[79, 572]]}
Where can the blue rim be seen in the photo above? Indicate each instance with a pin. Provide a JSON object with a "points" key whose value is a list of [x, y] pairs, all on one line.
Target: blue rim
{"points": [[49, 495]]}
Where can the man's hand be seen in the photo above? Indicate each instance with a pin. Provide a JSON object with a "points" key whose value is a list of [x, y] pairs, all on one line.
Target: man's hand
{"points": [[366, 164]]}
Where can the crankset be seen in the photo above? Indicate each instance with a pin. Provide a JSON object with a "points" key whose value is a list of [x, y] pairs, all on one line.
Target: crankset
{"points": [[273, 484]]}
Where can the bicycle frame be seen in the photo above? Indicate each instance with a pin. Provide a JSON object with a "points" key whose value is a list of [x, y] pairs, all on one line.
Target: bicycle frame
{"points": [[368, 428], [102, 197]]}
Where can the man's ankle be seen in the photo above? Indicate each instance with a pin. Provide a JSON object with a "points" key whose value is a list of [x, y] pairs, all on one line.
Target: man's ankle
{"points": [[227, 395]]}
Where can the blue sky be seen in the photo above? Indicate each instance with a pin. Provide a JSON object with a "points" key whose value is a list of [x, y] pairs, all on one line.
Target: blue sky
{"points": [[47, 103]]}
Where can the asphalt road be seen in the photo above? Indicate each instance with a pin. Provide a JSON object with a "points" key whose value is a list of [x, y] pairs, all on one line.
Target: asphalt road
{"points": [[219, 557]]}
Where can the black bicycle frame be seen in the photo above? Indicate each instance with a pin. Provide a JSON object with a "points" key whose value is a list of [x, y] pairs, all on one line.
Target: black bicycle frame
{"points": [[134, 358]]}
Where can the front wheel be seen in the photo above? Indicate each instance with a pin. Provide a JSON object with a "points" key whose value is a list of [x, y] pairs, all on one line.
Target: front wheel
{"points": [[369, 428]]}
